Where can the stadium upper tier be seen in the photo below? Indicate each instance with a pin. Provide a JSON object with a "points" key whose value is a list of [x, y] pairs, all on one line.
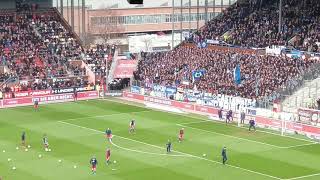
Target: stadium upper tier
{"points": [[251, 24]]}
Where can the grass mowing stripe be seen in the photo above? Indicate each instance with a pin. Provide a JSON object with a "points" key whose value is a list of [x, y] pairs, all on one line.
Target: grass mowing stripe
{"points": [[106, 115], [244, 139], [196, 116], [190, 155], [235, 137]]}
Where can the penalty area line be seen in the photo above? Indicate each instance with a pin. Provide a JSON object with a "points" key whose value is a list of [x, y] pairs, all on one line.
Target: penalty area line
{"points": [[202, 120], [186, 154], [249, 140], [306, 176], [234, 137]]}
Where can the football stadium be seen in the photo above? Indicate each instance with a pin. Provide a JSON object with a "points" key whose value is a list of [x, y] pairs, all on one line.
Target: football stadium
{"points": [[166, 89]]}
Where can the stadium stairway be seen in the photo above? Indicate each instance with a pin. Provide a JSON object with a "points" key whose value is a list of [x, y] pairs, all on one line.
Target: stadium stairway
{"points": [[113, 66]]}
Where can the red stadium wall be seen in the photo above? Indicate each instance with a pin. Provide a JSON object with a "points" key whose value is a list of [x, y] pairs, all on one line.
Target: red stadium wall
{"points": [[48, 98]]}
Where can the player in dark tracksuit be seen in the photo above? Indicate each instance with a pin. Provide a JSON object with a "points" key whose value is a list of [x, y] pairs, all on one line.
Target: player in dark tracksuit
{"points": [[224, 155], [242, 117], [75, 94], [23, 139], [252, 124], [132, 126], [93, 162], [220, 114], [230, 115], [169, 146], [45, 142]]}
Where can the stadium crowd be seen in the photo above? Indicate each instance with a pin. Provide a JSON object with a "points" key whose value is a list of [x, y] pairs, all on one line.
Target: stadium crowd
{"points": [[255, 23], [37, 48], [98, 56], [261, 75]]}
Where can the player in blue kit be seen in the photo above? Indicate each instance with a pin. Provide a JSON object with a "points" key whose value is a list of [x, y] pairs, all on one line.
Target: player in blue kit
{"points": [[93, 163], [224, 155]]}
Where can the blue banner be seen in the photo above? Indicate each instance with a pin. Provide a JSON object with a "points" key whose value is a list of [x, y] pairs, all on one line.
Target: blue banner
{"points": [[202, 44], [171, 90], [159, 88], [197, 74], [296, 54], [135, 89], [237, 75]]}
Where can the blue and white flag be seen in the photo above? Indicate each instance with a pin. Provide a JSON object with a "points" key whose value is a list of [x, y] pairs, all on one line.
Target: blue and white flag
{"points": [[202, 44], [296, 54], [237, 75], [197, 74]]}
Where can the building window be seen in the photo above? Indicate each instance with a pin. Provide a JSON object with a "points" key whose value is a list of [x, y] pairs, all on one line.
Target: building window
{"points": [[149, 19]]}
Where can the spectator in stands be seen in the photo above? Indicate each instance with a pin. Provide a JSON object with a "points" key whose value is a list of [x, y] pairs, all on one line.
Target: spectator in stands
{"points": [[261, 75]]}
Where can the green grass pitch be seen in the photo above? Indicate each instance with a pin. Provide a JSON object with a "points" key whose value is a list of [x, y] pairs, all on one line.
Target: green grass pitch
{"points": [[75, 133]]}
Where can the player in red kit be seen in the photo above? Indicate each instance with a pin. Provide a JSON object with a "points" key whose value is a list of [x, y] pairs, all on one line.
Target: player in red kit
{"points": [[108, 154], [181, 134], [109, 134], [36, 104]]}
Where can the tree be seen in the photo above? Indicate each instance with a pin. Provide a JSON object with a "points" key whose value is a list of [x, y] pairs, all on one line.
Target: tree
{"points": [[147, 40], [111, 26]]}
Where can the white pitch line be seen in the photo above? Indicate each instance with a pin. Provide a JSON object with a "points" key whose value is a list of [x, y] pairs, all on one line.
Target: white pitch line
{"points": [[80, 126], [106, 115], [205, 120], [249, 140], [300, 177], [300, 145], [196, 122], [258, 130], [190, 155], [144, 152], [235, 137]]}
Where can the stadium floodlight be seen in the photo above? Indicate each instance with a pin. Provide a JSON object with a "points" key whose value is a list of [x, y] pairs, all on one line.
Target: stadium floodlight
{"points": [[135, 1]]}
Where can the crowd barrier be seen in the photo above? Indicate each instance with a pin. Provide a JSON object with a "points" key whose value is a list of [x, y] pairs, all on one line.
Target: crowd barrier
{"points": [[44, 99], [288, 126]]}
